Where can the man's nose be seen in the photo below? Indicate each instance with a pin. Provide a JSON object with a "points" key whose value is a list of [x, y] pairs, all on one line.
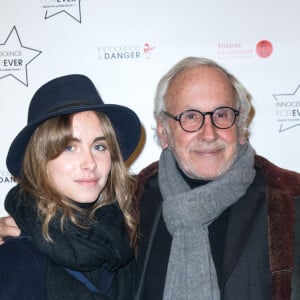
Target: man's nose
{"points": [[208, 130]]}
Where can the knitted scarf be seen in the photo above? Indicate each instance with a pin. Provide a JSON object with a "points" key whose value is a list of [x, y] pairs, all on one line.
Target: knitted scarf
{"points": [[187, 213]]}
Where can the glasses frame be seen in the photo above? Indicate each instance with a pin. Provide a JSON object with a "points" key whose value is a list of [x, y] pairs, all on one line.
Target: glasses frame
{"points": [[210, 113]]}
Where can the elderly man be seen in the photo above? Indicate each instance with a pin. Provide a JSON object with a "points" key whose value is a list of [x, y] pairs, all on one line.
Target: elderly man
{"points": [[216, 220]]}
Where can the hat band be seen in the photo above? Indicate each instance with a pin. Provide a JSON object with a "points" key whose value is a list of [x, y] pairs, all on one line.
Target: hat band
{"points": [[71, 105]]}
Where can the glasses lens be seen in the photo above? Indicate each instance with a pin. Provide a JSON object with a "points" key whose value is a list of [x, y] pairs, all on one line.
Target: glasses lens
{"points": [[191, 120], [223, 117]]}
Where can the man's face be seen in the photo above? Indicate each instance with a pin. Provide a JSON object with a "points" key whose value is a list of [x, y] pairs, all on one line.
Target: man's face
{"points": [[210, 151]]}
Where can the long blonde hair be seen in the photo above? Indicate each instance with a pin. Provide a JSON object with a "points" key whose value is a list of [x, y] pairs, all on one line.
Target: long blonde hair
{"points": [[48, 141]]}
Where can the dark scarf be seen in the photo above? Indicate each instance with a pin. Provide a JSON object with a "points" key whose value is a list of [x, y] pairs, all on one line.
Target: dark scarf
{"points": [[104, 244]]}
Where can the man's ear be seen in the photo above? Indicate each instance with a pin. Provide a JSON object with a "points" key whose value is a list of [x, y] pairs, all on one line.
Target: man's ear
{"points": [[242, 140], [242, 136], [162, 135]]}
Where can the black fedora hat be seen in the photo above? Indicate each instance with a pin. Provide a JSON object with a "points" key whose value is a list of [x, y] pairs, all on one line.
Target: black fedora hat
{"points": [[71, 94]]}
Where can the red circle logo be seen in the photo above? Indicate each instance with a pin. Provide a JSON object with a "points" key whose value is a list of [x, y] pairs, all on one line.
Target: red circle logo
{"points": [[264, 49]]}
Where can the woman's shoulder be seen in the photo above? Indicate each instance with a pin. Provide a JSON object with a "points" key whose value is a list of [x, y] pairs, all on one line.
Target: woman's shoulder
{"points": [[23, 270], [21, 252]]}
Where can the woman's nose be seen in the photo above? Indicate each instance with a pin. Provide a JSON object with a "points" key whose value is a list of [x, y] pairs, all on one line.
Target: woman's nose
{"points": [[88, 161]]}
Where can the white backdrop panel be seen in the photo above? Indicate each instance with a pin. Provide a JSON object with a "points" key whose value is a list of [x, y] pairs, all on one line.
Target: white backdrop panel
{"points": [[51, 38]]}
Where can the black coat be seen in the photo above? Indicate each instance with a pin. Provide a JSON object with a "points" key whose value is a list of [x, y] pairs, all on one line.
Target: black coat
{"points": [[251, 242], [101, 254]]}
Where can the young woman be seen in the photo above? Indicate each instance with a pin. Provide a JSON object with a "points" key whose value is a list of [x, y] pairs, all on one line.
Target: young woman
{"points": [[73, 201]]}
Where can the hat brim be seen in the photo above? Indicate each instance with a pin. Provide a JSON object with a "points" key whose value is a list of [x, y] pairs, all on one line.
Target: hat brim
{"points": [[125, 122]]}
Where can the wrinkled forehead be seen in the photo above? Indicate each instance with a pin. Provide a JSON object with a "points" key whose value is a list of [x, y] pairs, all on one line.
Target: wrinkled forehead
{"points": [[199, 84]]}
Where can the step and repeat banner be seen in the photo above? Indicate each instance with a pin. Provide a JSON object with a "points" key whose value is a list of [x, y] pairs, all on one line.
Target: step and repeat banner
{"points": [[126, 46]]}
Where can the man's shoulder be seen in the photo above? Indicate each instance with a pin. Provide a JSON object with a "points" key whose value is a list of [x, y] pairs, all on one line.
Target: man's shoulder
{"points": [[278, 177], [147, 184], [148, 176]]}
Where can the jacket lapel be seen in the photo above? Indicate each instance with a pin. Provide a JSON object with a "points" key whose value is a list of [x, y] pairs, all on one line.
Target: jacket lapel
{"points": [[150, 213], [240, 225]]}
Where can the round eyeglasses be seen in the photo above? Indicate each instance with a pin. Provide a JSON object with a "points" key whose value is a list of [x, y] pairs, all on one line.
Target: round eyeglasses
{"points": [[192, 120]]}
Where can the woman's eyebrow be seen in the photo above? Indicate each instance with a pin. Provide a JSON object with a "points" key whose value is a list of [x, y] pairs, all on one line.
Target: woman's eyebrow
{"points": [[99, 138]]}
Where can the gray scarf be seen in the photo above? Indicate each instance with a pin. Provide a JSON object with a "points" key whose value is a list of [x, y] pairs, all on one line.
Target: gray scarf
{"points": [[187, 212]]}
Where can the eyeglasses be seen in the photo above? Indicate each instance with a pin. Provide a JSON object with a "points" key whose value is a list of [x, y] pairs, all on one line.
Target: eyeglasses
{"points": [[192, 120]]}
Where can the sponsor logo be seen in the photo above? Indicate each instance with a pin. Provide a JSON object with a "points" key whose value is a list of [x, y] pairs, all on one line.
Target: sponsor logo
{"points": [[147, 50], [6, 177], [233, 50], [287, 110], [264, 49], [14, 57], [129, 52], [55, 7]]}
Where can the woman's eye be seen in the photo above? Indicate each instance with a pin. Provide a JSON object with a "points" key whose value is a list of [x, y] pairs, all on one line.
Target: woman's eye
{"points": [[70, 148], [100, 147]]}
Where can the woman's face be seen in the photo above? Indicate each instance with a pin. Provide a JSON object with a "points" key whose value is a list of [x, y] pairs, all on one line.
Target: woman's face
{"points": [[81, 171]]}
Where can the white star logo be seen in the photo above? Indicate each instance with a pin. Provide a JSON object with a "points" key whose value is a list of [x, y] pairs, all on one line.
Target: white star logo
{"points": [[71, 8], [14, 57], [288, 109]]}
